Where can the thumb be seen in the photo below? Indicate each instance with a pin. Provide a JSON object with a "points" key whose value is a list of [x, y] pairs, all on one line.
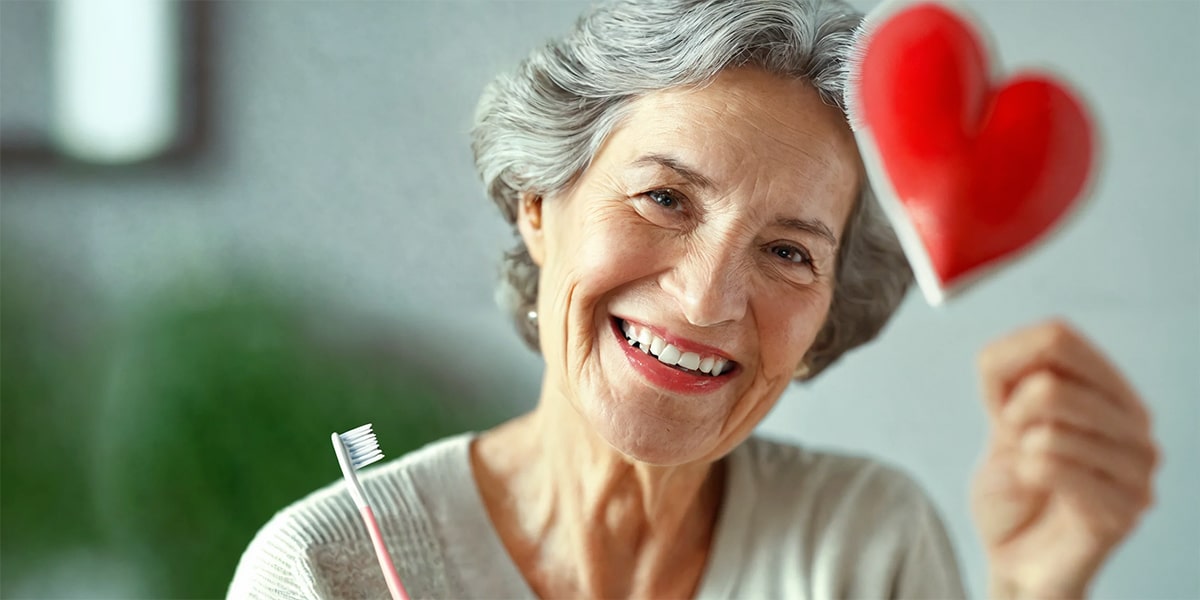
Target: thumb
{"points": [[1001, 504]]}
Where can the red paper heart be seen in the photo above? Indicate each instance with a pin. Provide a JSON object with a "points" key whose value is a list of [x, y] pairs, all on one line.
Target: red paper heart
{"points": [[981, 169]]}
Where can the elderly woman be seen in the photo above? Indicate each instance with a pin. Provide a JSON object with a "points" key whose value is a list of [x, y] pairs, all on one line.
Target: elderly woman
{"points": [[695, 234]]}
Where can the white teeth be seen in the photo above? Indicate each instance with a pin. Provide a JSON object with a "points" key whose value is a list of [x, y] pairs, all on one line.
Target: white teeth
{"points": [[670, 355], [689, 360], [632, 333], [643, 338]]}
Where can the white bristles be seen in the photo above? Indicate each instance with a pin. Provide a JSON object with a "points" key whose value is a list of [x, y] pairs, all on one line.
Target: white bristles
{"points": [[362, 446]]}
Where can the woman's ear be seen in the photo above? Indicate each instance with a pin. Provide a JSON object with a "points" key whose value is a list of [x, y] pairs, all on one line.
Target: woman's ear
{"points": [[529, 223]]}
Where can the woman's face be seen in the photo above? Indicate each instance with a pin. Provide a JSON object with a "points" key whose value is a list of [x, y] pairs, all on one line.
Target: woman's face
{"points": [[705, 231]]}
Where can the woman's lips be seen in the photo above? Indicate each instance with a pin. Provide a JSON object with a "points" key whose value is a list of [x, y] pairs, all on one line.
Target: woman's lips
{"points": [[680, 343], [664, 376]]}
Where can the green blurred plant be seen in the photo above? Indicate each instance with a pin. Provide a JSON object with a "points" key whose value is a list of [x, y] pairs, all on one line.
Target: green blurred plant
{"points": [[47, 361], [205, 410]]}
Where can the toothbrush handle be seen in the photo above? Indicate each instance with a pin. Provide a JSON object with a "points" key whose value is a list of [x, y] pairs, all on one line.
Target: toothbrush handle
{"points": [[385, 559]]}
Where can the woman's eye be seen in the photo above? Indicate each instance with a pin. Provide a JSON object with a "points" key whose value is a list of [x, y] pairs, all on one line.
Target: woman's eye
{"points": [[665, 198], [792, 254]]}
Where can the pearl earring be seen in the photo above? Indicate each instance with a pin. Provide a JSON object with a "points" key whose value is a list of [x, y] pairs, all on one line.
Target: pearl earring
{"points": [[532, 316], [802, 371]]}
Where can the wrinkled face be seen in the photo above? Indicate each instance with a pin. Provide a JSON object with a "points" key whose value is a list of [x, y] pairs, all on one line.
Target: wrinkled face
{"points": [[690, 267]]}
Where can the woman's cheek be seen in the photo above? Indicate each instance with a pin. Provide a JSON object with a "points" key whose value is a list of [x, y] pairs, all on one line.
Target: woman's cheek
{"points": [[621, 250], [789, 327]]}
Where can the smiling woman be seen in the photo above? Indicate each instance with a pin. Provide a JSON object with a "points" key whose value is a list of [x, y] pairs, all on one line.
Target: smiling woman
{"points": [[695, 234], [680, 228]]}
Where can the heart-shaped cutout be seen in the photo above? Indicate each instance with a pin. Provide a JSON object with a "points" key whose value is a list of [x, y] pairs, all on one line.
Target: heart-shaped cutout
{"points": [[970, 169]]}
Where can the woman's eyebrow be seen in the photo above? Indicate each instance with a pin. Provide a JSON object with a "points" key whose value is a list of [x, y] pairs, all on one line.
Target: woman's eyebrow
{"points": [[689, 173], [812, 226]]}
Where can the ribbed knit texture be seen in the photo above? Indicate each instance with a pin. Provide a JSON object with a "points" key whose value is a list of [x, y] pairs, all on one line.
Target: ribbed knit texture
{"points": [[794, 523]]}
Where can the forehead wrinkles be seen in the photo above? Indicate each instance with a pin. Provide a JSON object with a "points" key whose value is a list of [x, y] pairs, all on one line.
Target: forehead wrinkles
{"points": [[799, 163], [728, 134], [808, 135]]}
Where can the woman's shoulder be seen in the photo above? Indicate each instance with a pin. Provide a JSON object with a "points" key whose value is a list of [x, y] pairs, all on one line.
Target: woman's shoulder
{"points": [[787, 469], [318, 546], [857, 526]]}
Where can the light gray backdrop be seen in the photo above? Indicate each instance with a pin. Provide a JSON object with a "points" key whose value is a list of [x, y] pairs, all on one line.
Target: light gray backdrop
{"points": [[339, 150]]}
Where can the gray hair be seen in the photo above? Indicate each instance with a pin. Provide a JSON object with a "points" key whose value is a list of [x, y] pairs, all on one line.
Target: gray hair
{"points": [[538, 127]]}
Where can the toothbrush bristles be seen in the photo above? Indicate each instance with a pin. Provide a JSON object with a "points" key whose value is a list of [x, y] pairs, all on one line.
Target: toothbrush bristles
{"points": [[362, 446]]}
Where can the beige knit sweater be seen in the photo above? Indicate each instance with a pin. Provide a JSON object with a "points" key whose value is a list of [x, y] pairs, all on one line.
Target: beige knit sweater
{"points": [[794, 523]]}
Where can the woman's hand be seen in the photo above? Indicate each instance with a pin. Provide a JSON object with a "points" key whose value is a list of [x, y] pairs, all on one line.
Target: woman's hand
{"points": [[1068, 469]]}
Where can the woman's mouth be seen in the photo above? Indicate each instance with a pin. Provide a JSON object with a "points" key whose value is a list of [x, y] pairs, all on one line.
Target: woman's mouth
{"points": [[644, 339], [678, 367]]}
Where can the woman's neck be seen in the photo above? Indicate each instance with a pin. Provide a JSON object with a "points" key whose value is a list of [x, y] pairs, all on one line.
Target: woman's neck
{"points": [[580, 519]]}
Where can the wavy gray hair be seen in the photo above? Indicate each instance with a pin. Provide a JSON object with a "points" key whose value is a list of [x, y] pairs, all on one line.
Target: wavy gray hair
{"points": [[538, 127]]}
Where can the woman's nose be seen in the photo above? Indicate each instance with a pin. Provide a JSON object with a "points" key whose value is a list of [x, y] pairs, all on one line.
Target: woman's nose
{"points": [[710, 288]]}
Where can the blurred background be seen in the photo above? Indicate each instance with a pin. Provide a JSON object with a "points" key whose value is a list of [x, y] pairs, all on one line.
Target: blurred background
{"points": [[230, 228]]}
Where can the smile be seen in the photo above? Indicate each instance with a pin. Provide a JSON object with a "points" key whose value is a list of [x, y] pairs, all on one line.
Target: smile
{"points": [[676, 365], [643, 339]]}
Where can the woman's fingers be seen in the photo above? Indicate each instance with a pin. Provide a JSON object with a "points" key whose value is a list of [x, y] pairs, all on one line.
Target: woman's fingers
{"points": [[1076, 427], [1049, 414], [1054, 347], [1046, 398], [1117, 462], [1106, 507]]}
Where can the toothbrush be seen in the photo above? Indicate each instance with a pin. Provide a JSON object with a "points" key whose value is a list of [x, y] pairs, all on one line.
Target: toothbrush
{"points": [[355, 450]]}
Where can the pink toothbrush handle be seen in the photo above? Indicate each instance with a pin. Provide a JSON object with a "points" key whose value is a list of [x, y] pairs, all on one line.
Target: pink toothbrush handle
{"points": [[385, 559]]}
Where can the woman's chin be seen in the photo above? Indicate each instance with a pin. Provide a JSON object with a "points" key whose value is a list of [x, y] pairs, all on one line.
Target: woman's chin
{"points": [[654, 440]]}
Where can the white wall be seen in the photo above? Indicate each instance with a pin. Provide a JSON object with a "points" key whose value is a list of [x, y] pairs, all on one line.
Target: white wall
{"points": [[340, 149]]}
